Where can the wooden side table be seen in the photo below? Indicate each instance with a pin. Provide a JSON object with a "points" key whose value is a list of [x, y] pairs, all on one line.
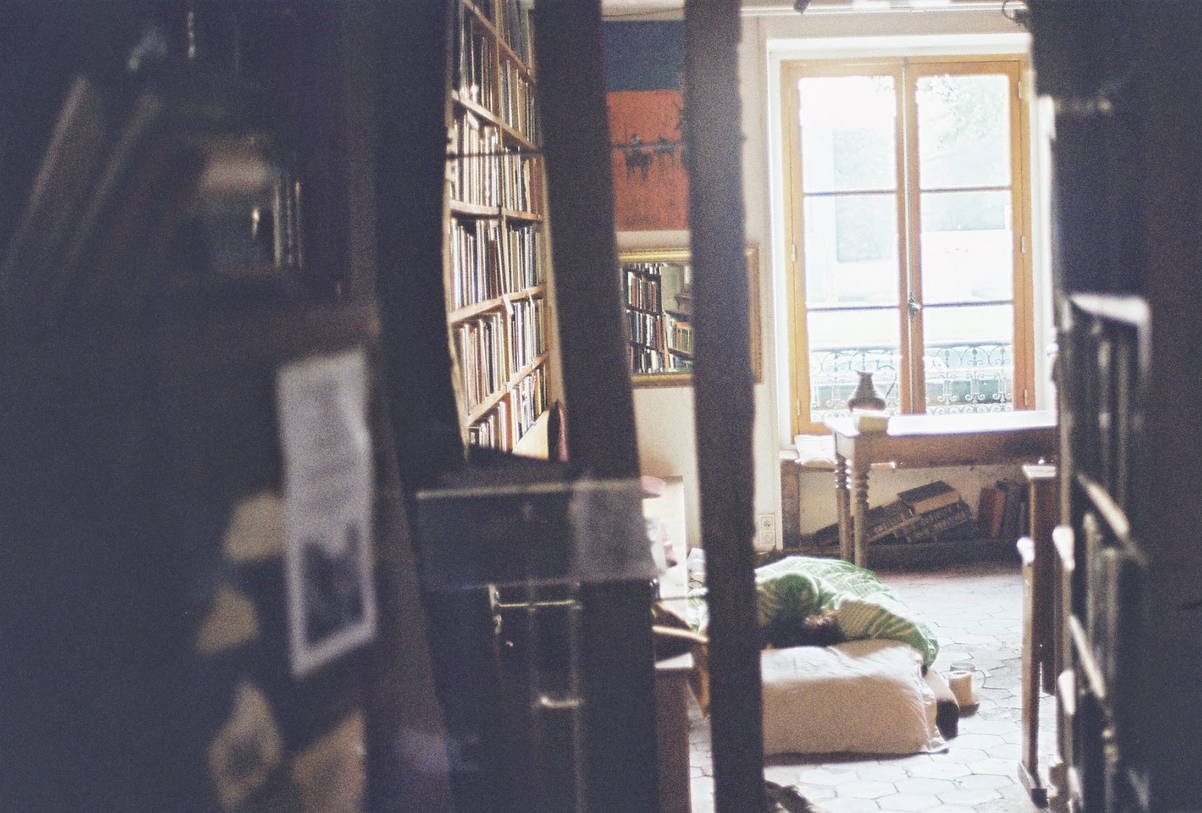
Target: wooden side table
{"points": [[928, 440]]}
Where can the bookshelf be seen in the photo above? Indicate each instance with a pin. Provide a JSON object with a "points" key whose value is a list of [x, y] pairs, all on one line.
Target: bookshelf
{"points": [[498, 303], [659, 311]]}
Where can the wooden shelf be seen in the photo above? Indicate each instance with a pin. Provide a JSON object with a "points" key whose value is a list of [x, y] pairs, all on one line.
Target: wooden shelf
{"points": [[518, 214], [509, 85], [515, 135], [495, 398], [458, 207], [919, 555], [469, 311], [483, 18], [510, 54]]}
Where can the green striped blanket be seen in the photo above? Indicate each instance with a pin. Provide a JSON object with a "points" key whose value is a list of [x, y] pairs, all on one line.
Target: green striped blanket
{"points": [[797, 586]]}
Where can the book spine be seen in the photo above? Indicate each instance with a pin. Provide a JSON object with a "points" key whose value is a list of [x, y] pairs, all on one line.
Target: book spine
{"points": [[943, 519], [897, 516]]}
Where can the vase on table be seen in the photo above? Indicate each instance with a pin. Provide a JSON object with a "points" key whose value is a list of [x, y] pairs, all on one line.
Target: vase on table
{"points": [[865, 396]]}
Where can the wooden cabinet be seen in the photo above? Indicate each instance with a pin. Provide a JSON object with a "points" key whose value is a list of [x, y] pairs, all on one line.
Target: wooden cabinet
{"points": [[1126, 198], [1104, 620], [497, 274]]}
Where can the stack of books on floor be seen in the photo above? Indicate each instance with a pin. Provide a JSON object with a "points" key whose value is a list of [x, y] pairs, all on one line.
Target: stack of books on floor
{"points": [[1004, 510], [939, 511], [928, 512]]}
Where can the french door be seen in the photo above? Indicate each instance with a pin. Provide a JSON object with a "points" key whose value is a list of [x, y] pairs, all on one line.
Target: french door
{"points": [[908, 234]]}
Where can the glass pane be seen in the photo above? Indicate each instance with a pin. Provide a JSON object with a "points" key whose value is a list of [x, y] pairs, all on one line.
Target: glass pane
{"points": [[848, 133], [967, 247], [969, 360], [843, 343], [963, 131], [851, 250]]}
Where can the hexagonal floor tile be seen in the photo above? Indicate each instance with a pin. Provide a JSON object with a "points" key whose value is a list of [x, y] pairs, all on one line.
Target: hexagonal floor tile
{"points": [[969, 796], [851, 806], [907, 802], [864, 789], [985, 780], [882, 773], [1001, 767], [923, 787], [982, 741], [940, 770]]}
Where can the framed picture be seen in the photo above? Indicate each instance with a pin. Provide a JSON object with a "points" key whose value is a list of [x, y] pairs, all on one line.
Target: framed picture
{"points": [[644, 64], [657, 289]]}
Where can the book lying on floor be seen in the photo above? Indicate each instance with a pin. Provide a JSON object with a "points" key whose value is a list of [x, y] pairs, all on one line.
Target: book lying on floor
{"points": [[883, 520], [888, 519], [929, 497], [941, 520]]}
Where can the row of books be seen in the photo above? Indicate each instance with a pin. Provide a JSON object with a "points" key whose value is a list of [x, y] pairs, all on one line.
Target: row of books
{"points": [[493, 430], [646, 360], [1004, 510], [482, 172], [646, 329], [495, 345], [530, 397], [489, 259], [918, 514], [522, 260], [514, 26], [642, 292], [474, 60], [473, 165], [517, 102], [508, 422], [476, 260], [680, 335], [483, 357], [527, 331]]}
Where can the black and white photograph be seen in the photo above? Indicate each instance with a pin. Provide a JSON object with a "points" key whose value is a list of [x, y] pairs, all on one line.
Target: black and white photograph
{"points": [[327, 507]]}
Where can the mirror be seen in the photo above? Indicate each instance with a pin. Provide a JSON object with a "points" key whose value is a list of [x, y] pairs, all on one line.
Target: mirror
{"points": [[657, 288]]}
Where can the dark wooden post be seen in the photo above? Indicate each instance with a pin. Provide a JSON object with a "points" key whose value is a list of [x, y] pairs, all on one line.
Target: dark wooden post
{"points": [[411, 181], [722, 384], [618, 659], [588, 291]]}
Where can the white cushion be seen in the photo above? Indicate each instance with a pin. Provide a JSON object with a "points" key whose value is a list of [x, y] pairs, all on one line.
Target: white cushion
{"points": [[860, 697]]}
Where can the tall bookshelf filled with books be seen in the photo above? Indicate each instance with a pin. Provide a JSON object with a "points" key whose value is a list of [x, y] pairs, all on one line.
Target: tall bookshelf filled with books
{"points": [[496, 275], [659, 312]]}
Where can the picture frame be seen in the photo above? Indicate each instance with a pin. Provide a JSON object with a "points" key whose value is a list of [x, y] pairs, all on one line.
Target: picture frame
{"points": [[657, 297], [645, 100]]}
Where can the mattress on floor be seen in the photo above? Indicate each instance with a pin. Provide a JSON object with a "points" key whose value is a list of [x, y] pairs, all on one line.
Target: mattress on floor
{"points": [[867, 697]]}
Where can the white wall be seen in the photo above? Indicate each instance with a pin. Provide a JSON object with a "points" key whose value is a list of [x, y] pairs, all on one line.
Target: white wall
{"points": [[665, 417]]}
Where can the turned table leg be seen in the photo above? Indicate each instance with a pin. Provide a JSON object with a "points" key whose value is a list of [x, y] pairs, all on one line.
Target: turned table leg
{"points": [[861, 523], [843, 507]]}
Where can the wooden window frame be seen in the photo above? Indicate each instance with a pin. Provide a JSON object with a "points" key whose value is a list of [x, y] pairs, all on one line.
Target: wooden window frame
{"points": [[906, 71]]}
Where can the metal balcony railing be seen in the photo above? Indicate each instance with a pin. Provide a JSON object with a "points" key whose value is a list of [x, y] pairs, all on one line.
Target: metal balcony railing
{"points": [[960, 377]]}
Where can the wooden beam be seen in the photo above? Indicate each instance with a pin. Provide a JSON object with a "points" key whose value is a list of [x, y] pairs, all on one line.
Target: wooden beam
{"points": [[725, 408], [588, 290]]}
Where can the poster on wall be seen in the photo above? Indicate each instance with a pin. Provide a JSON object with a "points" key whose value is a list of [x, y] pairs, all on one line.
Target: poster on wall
{"points": [[644, 63], [322, 406]]}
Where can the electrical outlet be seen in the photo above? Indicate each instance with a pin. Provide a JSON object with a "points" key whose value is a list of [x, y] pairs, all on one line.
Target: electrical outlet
{"points": [[766, 532]]}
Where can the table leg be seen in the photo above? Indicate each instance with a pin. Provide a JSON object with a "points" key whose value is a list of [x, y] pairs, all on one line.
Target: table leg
{"points": [[1028, 763], [861, 523], [843, 507]]}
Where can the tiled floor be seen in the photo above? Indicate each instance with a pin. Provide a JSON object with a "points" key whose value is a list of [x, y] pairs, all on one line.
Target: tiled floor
{"points": [[976, 613]]}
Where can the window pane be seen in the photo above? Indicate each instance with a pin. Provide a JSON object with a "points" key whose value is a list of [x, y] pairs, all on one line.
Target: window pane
{"points": [[845, 342], [851, 250], [967, 247], [963, 131], [969, 360], [848, 133]]}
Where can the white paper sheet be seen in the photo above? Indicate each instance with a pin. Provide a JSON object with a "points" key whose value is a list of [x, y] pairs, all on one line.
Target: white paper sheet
{"points": [[322, 407]]}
